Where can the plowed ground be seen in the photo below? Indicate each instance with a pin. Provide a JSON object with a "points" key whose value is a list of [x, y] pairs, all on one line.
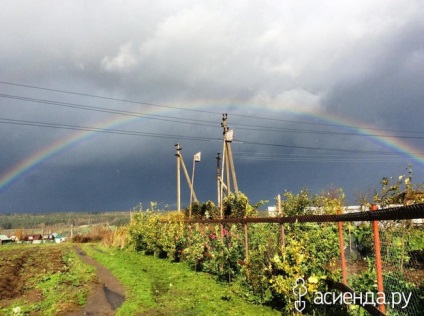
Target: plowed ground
{"points": [[20, 267]]}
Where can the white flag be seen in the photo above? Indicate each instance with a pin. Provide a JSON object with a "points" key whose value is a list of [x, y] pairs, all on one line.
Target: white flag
{"points": [[197, 156]]}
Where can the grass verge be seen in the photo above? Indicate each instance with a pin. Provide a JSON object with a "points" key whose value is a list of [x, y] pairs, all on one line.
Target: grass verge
{"points": [[159, 287]]}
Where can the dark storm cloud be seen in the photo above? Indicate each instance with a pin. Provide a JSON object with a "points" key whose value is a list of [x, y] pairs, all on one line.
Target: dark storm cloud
{"points": [[361, 61]]}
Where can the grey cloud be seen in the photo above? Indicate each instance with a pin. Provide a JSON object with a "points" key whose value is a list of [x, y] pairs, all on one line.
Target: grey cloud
{"points": [[360, 61]]}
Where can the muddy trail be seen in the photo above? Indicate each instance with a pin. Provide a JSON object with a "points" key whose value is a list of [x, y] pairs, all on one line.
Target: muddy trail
{"points": [[107, 293]]}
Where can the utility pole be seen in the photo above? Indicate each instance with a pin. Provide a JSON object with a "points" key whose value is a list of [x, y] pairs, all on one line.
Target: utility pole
{"points": [[180, 163], [196, 158], [178, 178], [227, 167], [227, 158], [218, 179], [187, 177]]}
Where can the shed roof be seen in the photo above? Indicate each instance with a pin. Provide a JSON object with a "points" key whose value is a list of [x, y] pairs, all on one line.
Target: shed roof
{"points": [[4, 237]]}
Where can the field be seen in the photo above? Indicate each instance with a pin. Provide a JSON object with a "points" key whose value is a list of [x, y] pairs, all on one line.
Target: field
{"points": [[52, 280], [42, 280]]}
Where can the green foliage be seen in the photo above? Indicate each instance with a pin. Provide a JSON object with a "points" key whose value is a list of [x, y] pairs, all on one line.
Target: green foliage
{"points": [[203, 210], [237, 205], [225, 253], [330, 201], [363, 238], [269, 273], [296, 204], [399, 191], [303, 257]]}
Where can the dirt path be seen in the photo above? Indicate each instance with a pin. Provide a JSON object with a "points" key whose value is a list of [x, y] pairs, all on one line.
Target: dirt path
{"points": [[107, 294]]}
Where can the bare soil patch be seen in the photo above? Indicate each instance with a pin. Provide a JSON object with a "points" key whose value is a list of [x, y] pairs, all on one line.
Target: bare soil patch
{"points": [[19, 267]]}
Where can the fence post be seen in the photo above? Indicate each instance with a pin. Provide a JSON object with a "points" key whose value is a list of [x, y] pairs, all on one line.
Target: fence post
{"points": [[246, 243], [378, 265], [342, 253]]}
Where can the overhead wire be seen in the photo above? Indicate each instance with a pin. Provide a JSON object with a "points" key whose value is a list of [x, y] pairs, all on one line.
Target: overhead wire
{"points": [[328, 157], [187, 137], [196, 110], [198, 121], [102, 130]]}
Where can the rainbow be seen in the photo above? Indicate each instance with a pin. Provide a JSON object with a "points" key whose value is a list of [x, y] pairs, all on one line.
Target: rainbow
{"points": [[74, 138]]}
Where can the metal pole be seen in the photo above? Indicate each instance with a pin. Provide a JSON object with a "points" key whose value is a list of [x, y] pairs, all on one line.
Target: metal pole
{"points": [[342, 253], [378, 265], [178, 178]]}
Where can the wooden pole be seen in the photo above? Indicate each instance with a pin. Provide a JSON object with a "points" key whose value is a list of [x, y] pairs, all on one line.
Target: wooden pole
{"points": [[378, 265], [218, 180], [227, 169], [178, 178], [190, 186], [342, 253], [233, 171], [224, 155]]}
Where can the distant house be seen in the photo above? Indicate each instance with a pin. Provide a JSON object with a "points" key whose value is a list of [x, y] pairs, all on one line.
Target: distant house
{"points": [[48, 238], [272, 211], [37, 239], [5, 240], [59, 238]]}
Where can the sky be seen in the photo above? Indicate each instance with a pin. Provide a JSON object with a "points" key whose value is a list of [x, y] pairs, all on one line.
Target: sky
{"points": [[95, 94]]}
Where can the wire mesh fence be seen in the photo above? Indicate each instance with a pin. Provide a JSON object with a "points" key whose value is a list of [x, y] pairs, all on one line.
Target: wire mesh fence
{"points": [[373, 260]]}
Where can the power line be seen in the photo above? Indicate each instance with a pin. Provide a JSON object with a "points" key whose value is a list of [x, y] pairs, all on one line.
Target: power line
{"points": [[135, 133], [101, 130], [107, 110], [315, 157], [197, 122], [196, 110], [324, 149]]}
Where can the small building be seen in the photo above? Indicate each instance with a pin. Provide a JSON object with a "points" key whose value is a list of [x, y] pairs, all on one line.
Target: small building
{"points": [[48, 238], [37, 239], [59, 238], [5, 240], [272, 211]]}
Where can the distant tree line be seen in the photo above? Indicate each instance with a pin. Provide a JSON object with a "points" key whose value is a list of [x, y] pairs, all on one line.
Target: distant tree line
{"points": [[32, 221]]}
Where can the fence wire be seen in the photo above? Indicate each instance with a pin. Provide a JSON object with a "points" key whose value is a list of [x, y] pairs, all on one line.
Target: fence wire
{"points": [[401, 249]]}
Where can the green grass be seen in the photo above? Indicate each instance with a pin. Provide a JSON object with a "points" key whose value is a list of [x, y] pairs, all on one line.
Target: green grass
{"points": [[60, 289], [159, 287]]}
